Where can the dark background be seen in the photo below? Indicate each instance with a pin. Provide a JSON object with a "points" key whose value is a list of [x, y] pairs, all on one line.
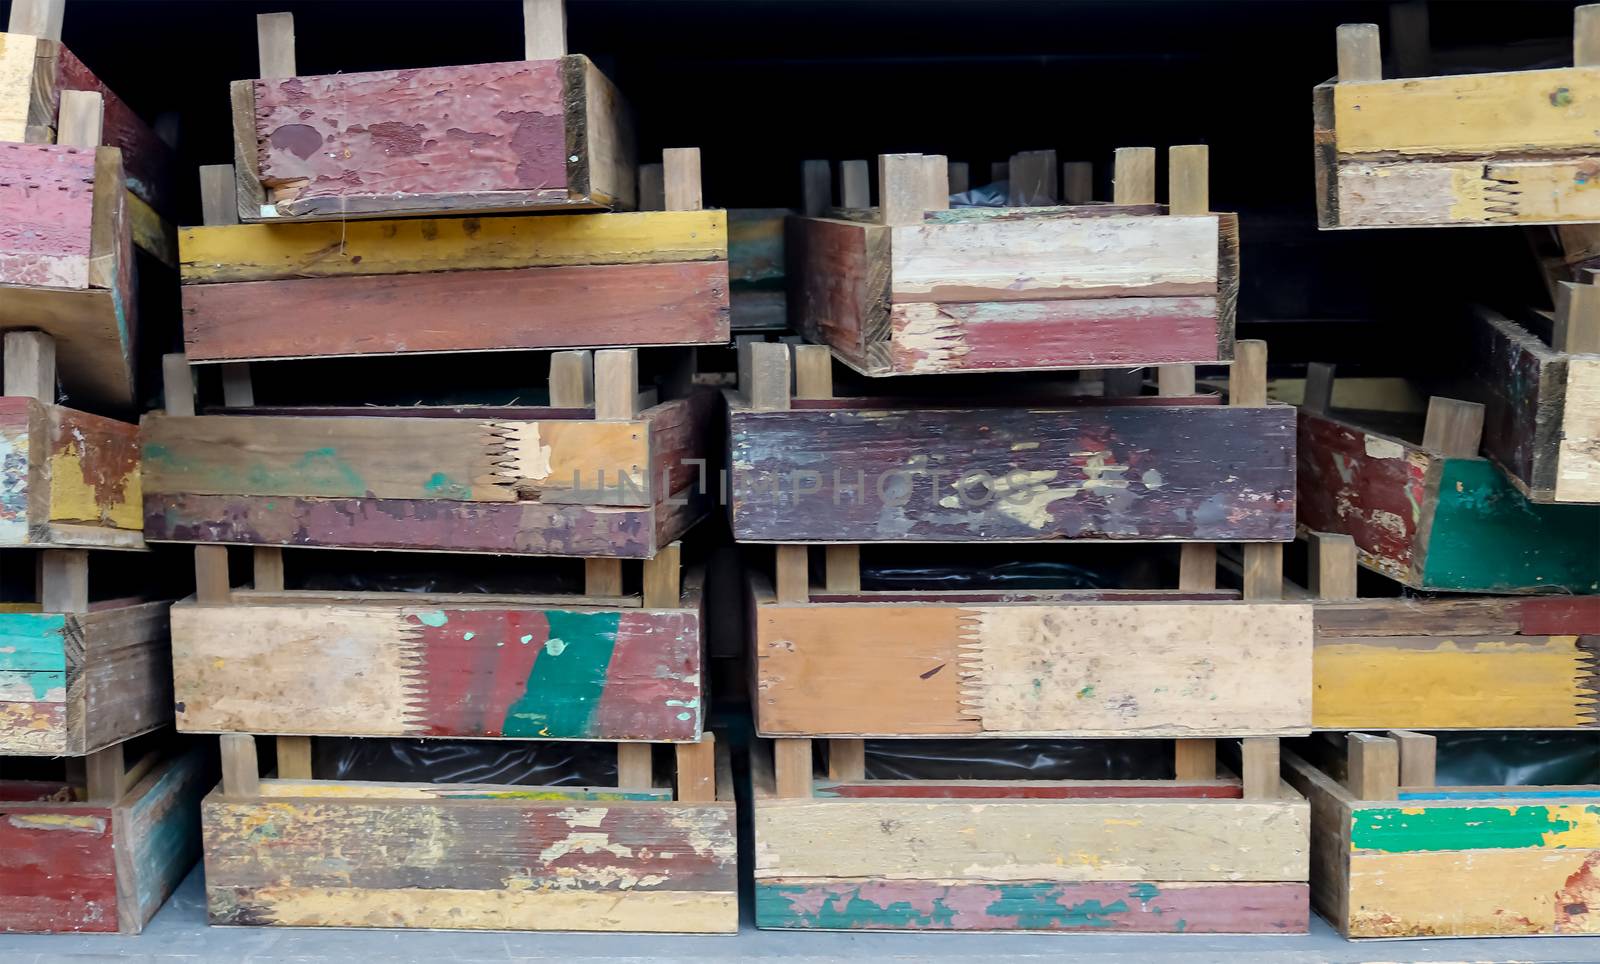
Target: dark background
{"points": [[760, 85]]}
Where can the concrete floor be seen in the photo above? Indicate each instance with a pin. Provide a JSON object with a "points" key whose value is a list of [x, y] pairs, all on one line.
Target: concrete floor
{"points": [[179, 933]]}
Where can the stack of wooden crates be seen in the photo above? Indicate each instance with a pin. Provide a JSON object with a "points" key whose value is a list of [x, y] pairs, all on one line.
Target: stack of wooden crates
{"points": [[305, 255], [1198, 668], [1476, 524], [98, 806]]}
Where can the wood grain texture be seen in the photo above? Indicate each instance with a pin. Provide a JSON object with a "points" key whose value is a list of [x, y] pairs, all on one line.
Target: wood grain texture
{"points": [[573, 306], [1446, 681], [1523, 392], [157, 827], [1184, 669], [1578, 456], [439, 669], [432, 140], [871, 903], [1022, 840], [68, 479], [1119, 471], [57, 868], [1426, 520], [320, 249], [502, 864], [1462, 893]]}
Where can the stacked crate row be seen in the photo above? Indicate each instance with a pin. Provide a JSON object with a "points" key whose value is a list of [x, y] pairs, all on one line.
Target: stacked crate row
{"points": [[913, 287], [98, 807], [1475, 523], [305, 256]]}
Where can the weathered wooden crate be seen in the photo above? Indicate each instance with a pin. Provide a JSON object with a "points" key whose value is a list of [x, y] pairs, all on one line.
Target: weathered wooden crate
{"points": [[758, 287], [1446, 662], [915, 287], [39, 79], [68, 478], [1542, 398], [639, 856], [1014, 469], [1426, 510], [546, 132], [253, 292], [102, 855], [66, 262], [1498, 148], [607, 473], [1199, 854], [1393, 855]]}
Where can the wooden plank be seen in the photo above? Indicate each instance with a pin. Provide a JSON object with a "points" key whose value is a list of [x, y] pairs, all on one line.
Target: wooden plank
{"points": [[40, 18], [1475, 825], [1210, 788], [81, 118], [18, 52], [126, 673], [94, 477], [1133, 179], [275, 44], [1523, 111], [241, 774], [616, 386], [768, 388], [1055, 258], [294, 757], [959, 176], [1023, 670], [372, 790], [64, 580], [635, 766], [1331, 565], [1247, 379], [813, 371], [577, 306], [158, 836], [460, 460], [1188, 179], [842, 568], [237, 389], [572, 379], [1451, 680], [1464, 893], [104, 770], [1263, 571], [1016, 840], [872, 903], [1360, 58], [211, 581], [1197, 566], [1454, 427], [1077, 182], [1330, 837], [841, 283], [652, 187], [1586, 35], [519, 528], [1119, 471], [1195, 760], [697, 770], [47, 194], [1259, 767], [902, 188], [816, 188], [1417, 193], [1577, 319], [58, 869], [321, 249], [660, 867], [544, 29], [440, 669], [1578, 456], [847, 760], [792, 573], [602, 577], [1374, 770]]}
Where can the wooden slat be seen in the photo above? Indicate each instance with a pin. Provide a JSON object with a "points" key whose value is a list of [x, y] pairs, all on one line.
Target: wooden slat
{"points": [[842, 568], [1577, 319], [1263, 570], [1197, 566], [219, 194], [959, 176], [1418, 757], [1586, 35], [38, 18], [602, 577], [1077, 182], [813, 371], [238, 390], [1247, 379], [767, 387]]}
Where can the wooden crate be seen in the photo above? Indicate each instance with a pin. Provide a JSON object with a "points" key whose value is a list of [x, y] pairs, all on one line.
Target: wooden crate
{"points": [[1542, 397], [1012, 469], [1426, 510], [603, 664], [253, 292], [758, 286], [548, 132], [1200, 854], [68, 479], [606, 473], [638, 856], [1446, 662], [1498, 148], [1393, 855], [39, 79], [101, 856], [915, 287]]}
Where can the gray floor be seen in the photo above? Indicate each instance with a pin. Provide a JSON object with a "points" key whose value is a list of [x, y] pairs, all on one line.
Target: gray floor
{"points": [[179, 933]]}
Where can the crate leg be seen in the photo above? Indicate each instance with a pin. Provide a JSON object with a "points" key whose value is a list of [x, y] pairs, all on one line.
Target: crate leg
{"points": [[237, 389], [1263, 570], [268, 562], [903, 192], [813, 371], [816, 188], [616, 384], [1331, 565], [661, 579], [572, 379], [1374, 767], [697, 770], [1077, 182], [1247, 378], [680, 167], [30, 365], [1318, 396], [544, 29], [211, 583], [1133, 177], [791, 759], [241, 773], [177, 384], [103, 773], [1258, 765], [1359, 55], [602, 577], [1577, 322], [960, 177], [842, 572], [1195, 760], [1419, 754], [1454, 428], [764, 375], [635, 766], [652, 187], [855, 190], [64, 580], [1189, 179], [1197, 566], [38, 18], [275, 44], [294, 757], [794, 576], [847, 760]]}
